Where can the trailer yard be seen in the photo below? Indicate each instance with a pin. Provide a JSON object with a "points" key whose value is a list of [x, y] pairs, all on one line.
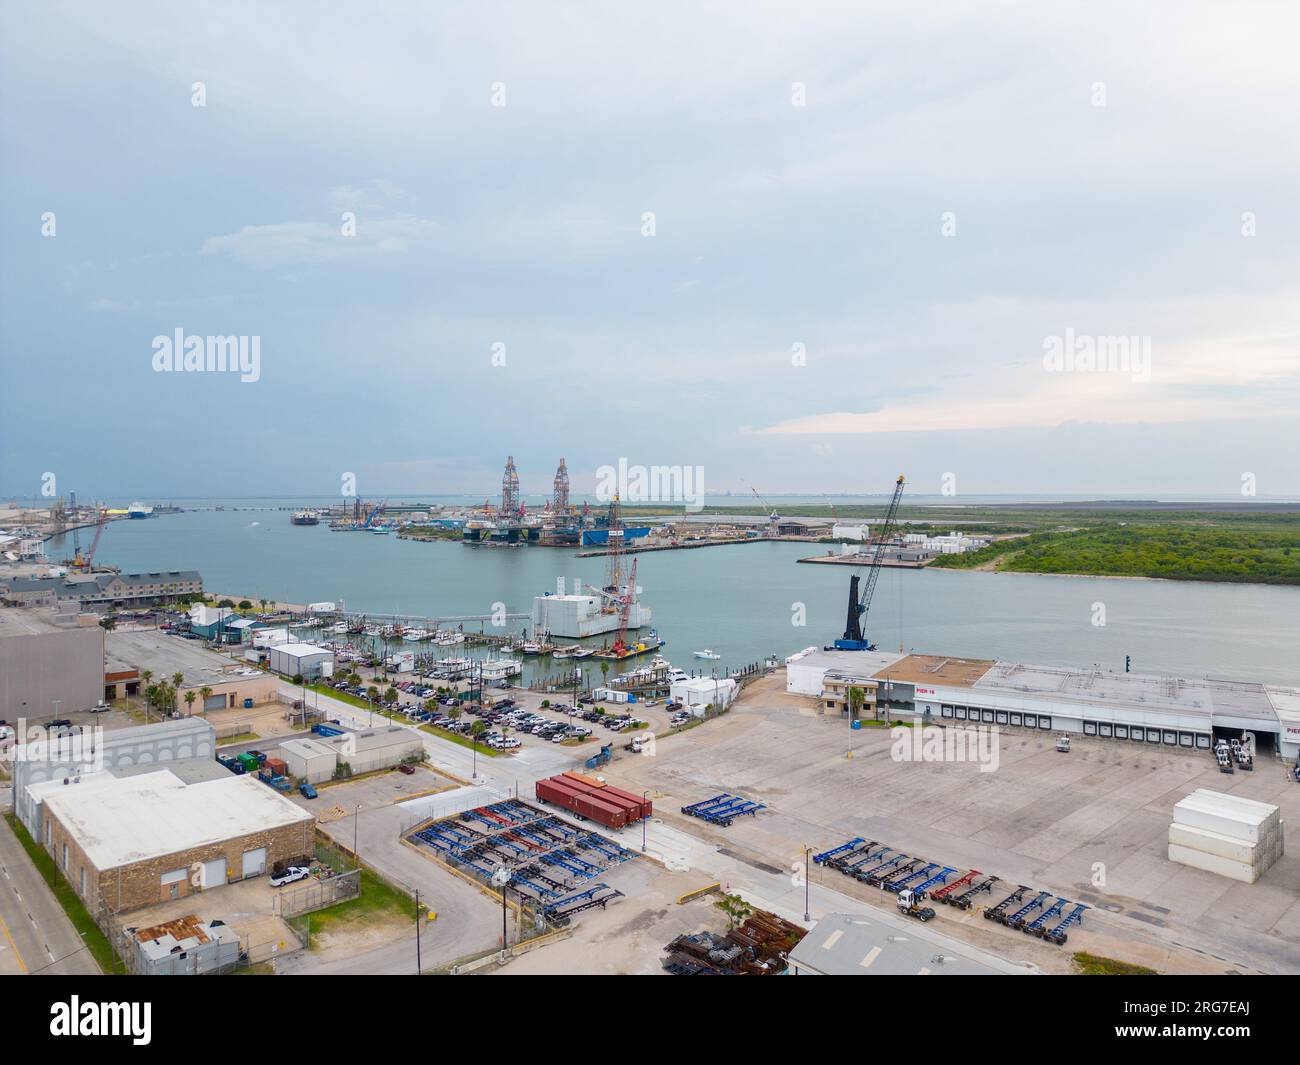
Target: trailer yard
{"points": [[557, 870], [1091, 830]]}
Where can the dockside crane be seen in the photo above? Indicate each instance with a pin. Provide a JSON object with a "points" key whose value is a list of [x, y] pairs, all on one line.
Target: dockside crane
{"points": [[854, 638], [768, 509]]}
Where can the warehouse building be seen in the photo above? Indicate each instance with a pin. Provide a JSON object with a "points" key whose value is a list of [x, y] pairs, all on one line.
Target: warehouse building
{"points": [[317, 759], [697, 693], [188, 747], [45, 670], [309, 760], [1131, 707], [293, 659], [125, 843]]}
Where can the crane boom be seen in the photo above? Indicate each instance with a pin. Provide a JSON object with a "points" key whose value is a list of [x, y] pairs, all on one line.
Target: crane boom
{"points": [[854, 638]]}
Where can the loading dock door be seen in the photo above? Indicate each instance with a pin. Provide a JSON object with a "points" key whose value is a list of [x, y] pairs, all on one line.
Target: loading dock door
{"points": [[214, 702], [214, 873], [255, 862]]}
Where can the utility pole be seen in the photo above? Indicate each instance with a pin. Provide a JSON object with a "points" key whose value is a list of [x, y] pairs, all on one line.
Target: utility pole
{"points": [[418, 967], [806, 882]]}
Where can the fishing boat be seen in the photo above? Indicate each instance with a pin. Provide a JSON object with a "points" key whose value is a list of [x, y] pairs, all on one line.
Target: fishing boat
{"points": [[415, 635], [566, 652], [706, 653], [531, 647], [339, 627], [584, 652], [373, 631]]}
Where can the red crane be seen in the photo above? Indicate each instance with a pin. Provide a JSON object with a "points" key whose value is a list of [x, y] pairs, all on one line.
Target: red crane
{"points": [[88, 560], [620, 641]]}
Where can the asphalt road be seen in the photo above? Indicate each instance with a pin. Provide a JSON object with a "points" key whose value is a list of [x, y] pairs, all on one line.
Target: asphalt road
{"points": [[36, 936]]}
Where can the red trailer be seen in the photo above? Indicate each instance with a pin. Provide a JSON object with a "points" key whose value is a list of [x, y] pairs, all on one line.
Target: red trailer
{"points": [[588, 806]]}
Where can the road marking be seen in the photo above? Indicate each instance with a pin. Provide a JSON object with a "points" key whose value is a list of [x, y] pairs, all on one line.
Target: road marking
{"points": [[872, 955], [13, 946]]}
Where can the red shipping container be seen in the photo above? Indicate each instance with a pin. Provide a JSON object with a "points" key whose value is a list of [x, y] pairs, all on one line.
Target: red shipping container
{"points": [[586, 806], [637, 809]]}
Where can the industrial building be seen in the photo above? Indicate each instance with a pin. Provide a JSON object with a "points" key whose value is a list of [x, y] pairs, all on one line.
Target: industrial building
{"points": [[229, 684], [317, 759], [305, 659], [696, 693], [47, 670], [127, 842], [186, 946], [843, 944], [188, 747], [1130, 707]]}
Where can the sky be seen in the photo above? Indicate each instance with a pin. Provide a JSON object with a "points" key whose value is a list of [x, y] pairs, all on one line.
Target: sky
{"points": [[1000, 248]]}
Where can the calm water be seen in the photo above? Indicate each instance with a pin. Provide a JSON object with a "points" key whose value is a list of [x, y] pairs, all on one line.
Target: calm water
{"points": [[741, 600]]}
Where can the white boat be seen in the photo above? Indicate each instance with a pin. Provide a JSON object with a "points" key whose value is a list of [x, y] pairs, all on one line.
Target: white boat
{"points": [[531, 648], [566, 652], [374, 630], [706, 653], [584, 652], [415, 635], [339, 626]]}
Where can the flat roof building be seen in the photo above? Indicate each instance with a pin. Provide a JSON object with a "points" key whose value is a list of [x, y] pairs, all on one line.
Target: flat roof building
{"points": [[1134, 707], [124, 843]]}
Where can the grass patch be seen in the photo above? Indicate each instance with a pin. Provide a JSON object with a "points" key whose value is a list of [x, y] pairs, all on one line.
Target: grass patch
{"points": [[380, 902], [464, 741], [261, 968], [1095, 965], [241, 737], [96, 941]]}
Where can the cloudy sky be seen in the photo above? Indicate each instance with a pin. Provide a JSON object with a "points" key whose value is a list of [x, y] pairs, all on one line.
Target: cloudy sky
{"points": [[806, 247]]}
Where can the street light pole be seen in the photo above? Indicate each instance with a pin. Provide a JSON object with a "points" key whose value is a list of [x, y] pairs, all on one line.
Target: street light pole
{"points": [[418, 967], [644, 819], [806, 882]]}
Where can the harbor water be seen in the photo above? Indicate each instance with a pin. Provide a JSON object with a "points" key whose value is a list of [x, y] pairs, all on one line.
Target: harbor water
{"points": [[744, 601]]}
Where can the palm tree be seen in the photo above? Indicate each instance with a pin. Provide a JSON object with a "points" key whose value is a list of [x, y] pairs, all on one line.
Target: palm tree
{"points": [[205, 691], [189, 702], [855, 701], [178, 679], [604, 672]]}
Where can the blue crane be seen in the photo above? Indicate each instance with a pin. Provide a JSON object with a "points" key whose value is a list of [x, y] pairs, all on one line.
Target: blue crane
{"points": [[854, 638]]}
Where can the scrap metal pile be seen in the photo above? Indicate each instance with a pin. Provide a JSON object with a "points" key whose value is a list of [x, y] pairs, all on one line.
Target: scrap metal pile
{"points": [[757, 948]]}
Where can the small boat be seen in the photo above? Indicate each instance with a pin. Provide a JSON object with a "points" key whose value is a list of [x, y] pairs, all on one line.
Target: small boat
{"points": [[415, 635], [373, 631], [584, 652], [531, 648], [706, 653], [566, 652], [339, 627]]}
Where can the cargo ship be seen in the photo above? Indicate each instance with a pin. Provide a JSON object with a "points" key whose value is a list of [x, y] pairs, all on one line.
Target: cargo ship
{"points": [[305, 517]]}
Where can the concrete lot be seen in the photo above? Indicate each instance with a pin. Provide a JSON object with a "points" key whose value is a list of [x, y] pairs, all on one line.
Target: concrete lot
{"points": [[248, 907], [1091, 825]]}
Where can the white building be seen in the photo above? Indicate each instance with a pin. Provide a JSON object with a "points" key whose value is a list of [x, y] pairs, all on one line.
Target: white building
{"points": [[310, 760], [695, 693], [291, 659], [577, 616], [850, 532], [1184, 712]]}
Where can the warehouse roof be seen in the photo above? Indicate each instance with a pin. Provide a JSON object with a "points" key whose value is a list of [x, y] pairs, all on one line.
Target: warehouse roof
{"points": [[298, 650], [122, 821], [937, 669], [845, 944]]}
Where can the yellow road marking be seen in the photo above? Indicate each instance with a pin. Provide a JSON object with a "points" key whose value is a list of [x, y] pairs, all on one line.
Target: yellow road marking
{"points": [[14, 946]]}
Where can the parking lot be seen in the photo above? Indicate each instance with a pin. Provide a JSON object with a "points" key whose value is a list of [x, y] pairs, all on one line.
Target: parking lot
{"points": [[1090, 825]]}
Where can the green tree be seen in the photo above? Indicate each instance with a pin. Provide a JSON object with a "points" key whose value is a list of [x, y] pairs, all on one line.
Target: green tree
{"points": [[736, 909], [189, 702]]}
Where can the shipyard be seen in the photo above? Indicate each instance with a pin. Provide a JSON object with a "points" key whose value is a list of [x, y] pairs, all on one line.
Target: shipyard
{"points": [[693, 492]]}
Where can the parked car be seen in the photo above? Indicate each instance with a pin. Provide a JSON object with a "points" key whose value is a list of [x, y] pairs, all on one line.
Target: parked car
{"points": [[307, 791], [290, 875], [406, 768]]}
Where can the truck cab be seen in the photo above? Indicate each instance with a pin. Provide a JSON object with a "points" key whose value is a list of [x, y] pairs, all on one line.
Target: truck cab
{"points": [[909, 902], [1063, 744]]}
